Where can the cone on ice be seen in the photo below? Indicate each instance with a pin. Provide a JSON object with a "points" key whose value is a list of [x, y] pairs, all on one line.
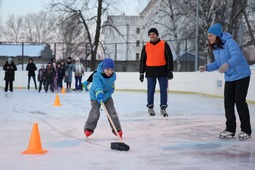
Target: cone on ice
{"points": [[63, 90], [35, 146], [57, 102]]}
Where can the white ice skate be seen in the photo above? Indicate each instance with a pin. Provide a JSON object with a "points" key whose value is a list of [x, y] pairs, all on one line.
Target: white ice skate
{"points": [[242, 135], [226, 134]]}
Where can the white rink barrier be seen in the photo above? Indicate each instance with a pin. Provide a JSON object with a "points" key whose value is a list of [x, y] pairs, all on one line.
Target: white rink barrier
{"points": [[210, 83]]}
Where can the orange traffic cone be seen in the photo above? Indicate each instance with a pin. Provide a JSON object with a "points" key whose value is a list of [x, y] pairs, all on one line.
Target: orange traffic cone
{"points": [[63, 90], [35, 146], [57, 102]]}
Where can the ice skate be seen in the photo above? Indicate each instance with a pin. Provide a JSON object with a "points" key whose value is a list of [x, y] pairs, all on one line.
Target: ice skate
{"points": [[88, 132], [164, 113], [226, 134], [151, 112], [242, 136], [119, 132]]}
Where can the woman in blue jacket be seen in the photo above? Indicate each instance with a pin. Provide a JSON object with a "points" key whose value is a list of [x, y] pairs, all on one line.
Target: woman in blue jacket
{"points": [[230, 60], [101, 91]]}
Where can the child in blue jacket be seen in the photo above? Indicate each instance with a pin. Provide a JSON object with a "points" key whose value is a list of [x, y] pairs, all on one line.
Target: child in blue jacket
{"points": [[101, 92]]}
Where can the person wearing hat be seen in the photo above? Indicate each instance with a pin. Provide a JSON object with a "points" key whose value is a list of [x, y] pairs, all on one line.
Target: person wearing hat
{"points": [[9, 76], [50, 73], [230, 60], [101, 91], [157, 62]]}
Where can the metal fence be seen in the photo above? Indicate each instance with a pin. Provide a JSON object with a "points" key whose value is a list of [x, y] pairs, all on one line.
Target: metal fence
{"points": [[126, 55]]}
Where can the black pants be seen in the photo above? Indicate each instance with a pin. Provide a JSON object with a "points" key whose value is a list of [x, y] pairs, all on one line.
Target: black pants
{"points": [[235, 94], [7, 84], [29, 77]]}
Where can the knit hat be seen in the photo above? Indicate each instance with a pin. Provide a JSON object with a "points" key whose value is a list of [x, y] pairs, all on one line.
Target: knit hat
{"points": [[108, 63], [10, 59], [216, 29], [153, 30]]}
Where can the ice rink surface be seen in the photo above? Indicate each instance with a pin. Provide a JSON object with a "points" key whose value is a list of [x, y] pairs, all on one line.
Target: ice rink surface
{"points": [[187, 140]]}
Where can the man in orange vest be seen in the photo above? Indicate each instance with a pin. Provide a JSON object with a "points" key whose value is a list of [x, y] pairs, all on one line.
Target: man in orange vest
{"points": [[157, 62]]}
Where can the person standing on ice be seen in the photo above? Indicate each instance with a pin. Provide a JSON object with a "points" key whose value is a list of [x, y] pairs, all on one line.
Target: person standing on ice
{"points": [[157, 61], [230, 60], [68, 74], [31, 68], [101, 91], [41, 76], [79, 70], [9, 76]]}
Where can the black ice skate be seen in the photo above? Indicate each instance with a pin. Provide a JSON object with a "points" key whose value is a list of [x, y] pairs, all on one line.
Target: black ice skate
{"points": [[242, 136], [151, 112], [226, 134], [163, 113]]}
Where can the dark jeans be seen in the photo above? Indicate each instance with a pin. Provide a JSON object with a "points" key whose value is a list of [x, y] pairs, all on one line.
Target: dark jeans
{"points": [[29, 77], [78, 85], [47, 84], [151, 85], [7, 84], [235, 94], [41, 83]]}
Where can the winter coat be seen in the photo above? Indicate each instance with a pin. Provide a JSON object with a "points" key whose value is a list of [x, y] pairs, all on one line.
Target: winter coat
{"points": [[9, 71], [41, 74], [157, 71], [78, 69], [69, 72], [50, 74], [231, 54], [31, 68], [102, 83], [60, 73]]}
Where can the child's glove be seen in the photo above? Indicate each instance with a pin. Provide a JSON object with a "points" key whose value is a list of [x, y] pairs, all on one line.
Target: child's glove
{"points": [[100, 97]]}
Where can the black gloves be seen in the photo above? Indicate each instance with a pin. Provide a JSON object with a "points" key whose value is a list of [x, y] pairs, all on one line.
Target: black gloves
{"points": [[141, 77], [170, 75]]}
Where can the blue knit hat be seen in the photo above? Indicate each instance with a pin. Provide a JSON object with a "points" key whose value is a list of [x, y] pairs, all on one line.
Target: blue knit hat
{"points": [[216, 29], [108, 63], [10, 59]]}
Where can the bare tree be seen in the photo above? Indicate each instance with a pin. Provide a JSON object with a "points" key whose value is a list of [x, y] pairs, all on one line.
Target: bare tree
{"points": [[38, 27], [12, 30], [89, 14]]}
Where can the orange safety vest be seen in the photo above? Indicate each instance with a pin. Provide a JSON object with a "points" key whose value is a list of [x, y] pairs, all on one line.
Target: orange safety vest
{"points": [[155, 54]]}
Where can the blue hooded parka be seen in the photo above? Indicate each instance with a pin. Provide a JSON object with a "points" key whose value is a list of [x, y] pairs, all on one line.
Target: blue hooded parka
{"points": [[231, 54], [101, 84]]}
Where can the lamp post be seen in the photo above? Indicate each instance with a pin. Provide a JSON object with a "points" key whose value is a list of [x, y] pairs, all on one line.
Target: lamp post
{"points": [[197, 36]]}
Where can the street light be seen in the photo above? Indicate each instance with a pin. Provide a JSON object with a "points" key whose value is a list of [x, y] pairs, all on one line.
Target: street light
{"points": [[197, 36]]}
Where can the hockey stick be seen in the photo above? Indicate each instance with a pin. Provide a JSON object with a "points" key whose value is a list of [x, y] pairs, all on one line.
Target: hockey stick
{"points": [[116, 145]]}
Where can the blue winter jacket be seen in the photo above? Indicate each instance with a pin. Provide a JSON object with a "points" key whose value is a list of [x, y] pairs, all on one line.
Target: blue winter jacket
{"points": [[100, 84], [231, 54]]}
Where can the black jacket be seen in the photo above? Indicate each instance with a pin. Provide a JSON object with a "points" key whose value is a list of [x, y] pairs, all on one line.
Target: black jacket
{"points": [[31, 67], [9, 71], [157, 71]]}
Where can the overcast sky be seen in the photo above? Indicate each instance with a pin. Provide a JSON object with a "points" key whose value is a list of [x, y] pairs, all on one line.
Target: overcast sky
{"points": [[22, 7]]}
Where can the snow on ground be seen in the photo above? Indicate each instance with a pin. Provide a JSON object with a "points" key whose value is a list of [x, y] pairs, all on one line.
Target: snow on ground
{"points": [[187, 140]]}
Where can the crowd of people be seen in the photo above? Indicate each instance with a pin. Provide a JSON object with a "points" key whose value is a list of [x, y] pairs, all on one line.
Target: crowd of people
{"points": [[50, 77]]}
